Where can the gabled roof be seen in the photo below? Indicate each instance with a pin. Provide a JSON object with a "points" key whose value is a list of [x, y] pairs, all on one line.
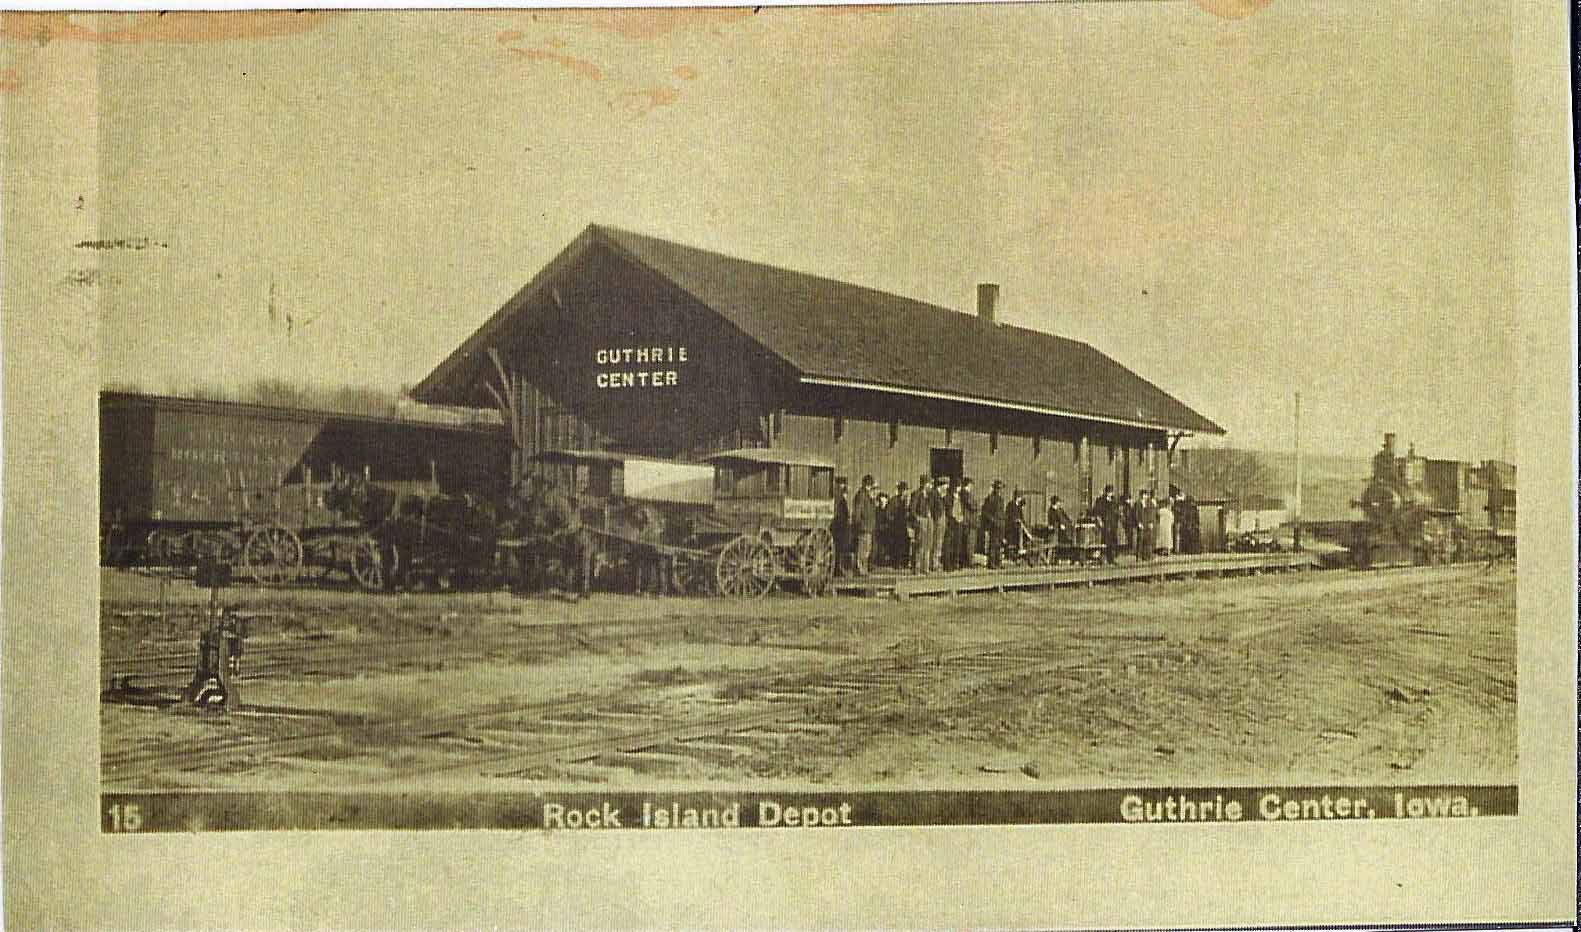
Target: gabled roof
{"points": [[836, 333]]}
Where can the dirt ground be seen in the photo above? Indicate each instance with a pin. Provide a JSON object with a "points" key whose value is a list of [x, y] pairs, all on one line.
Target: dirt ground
{"points": [[1316, 677]]}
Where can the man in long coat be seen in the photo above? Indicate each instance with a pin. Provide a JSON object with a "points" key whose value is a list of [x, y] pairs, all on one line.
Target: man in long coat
{"points": [[840, 527], [966, 544], [940, 511], [1015, 522], [864, 522], [993, 515], [922, 526], [900, 527], [1146, 524], [1107, 511]]}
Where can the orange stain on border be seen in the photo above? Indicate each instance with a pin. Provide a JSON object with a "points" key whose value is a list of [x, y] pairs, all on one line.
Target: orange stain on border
{"points": [[578, 66], [686, 73], [10, 80], [130, 28], [1231, 9]]}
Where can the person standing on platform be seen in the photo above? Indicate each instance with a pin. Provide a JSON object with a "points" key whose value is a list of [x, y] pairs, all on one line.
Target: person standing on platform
{"points": [[864, 521], [1165, 536], [1126, 530], [922, 526], [952, 524], [1146, 518], [900, 527], [967, 544], [840, 528], [1060, 520], [1015, 523], [1107, 512], [940, 512], [994, 525], [1189, 520], [881, 534]]}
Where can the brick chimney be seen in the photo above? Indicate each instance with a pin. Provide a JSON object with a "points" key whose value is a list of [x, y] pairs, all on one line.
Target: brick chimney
{"points": [[987, 298]]}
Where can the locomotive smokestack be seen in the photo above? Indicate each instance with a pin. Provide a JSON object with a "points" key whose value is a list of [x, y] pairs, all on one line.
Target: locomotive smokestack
{"points": [[1388, 444], [987, 298]]}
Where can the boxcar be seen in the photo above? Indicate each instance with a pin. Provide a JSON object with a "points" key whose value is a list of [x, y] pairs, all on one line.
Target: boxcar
{"points": [[175, 472]]}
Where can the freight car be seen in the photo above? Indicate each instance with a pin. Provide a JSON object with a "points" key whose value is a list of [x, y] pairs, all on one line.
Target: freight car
{"points": [[182, 478], [1421, 511]]}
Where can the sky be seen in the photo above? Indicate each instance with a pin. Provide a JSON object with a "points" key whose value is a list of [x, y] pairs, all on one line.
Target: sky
{"points": [[1311, 198]]}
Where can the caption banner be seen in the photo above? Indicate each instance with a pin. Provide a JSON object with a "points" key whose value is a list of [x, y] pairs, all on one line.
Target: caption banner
{"points": [[580, 811]]}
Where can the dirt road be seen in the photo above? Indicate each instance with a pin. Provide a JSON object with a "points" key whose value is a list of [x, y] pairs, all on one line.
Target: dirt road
{"points": [[1321, 677]]}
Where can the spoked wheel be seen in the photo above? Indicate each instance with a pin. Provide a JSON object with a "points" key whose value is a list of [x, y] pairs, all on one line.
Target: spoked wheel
{"points": [[272, 555], [815, 559], [745, 568], [374, 566]]}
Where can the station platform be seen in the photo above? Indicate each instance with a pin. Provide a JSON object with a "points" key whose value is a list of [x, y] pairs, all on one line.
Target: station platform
{"points": [[981, 579]]}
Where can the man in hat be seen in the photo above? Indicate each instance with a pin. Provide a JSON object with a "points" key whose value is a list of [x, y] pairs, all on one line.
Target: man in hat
{"points": [[922, 526], [940, 511], [1146, 524], [1107, 512], [899, 527], [950, 556], [966, 545], [1060, 521], [1015, 522], [864, 521], [840, 527], [994, 524]]}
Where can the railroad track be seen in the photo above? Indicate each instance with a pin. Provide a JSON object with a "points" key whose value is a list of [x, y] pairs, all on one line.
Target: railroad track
{"points": [[622, 728], [511, 737], [175, 667]]}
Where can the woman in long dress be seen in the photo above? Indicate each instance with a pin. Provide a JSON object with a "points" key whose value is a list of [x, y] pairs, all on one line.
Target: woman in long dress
{"points": [[1164, 538]]}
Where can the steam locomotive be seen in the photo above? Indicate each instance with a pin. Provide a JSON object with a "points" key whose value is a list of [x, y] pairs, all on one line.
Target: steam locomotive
{"points": [[1423, 511]]}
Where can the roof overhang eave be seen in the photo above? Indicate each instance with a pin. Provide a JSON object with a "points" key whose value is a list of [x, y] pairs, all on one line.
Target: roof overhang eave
{"points": [[999, 403]]}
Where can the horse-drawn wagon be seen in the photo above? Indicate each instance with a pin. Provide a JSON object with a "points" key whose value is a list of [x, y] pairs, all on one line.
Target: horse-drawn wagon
{"points": [[737, 524]]}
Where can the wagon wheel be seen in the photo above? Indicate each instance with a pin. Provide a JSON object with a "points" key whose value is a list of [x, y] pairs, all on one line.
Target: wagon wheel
{"points": [[374, 566], [272, 555], [745, 568], [815, 559]]}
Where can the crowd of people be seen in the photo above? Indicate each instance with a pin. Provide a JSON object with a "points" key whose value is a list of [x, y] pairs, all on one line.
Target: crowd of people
{"points": [[941, 525], [1148, 526]]}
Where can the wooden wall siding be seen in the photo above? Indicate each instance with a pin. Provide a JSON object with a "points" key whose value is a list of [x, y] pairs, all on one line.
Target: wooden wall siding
{"points": [[1047, 466]]}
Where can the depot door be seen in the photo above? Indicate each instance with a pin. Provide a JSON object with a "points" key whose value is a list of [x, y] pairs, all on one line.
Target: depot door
{"points": [[943, 461]]}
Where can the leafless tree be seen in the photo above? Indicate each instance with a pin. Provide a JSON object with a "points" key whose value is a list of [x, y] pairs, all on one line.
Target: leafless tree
{"points": [[1237, 475]]}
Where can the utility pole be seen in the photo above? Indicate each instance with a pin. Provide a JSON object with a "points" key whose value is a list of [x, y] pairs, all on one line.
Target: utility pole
{"points": [[1297, 514]]}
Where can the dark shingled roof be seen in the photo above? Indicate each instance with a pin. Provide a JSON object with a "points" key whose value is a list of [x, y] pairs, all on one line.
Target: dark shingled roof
{"points": [[835, 330]]}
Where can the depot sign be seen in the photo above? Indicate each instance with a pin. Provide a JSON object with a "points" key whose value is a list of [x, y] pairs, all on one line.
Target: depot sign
{"points": [[639, 367]]}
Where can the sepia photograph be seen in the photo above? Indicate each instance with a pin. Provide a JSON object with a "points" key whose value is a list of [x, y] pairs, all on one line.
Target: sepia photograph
{"points": [[1047, 414]]}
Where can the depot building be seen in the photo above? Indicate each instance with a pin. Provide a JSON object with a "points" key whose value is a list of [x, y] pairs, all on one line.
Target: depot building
{"points": [[634, 344]]}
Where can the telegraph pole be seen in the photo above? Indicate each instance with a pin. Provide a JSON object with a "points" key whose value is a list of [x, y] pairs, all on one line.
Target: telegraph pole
{"points": [[1297, 514]]}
